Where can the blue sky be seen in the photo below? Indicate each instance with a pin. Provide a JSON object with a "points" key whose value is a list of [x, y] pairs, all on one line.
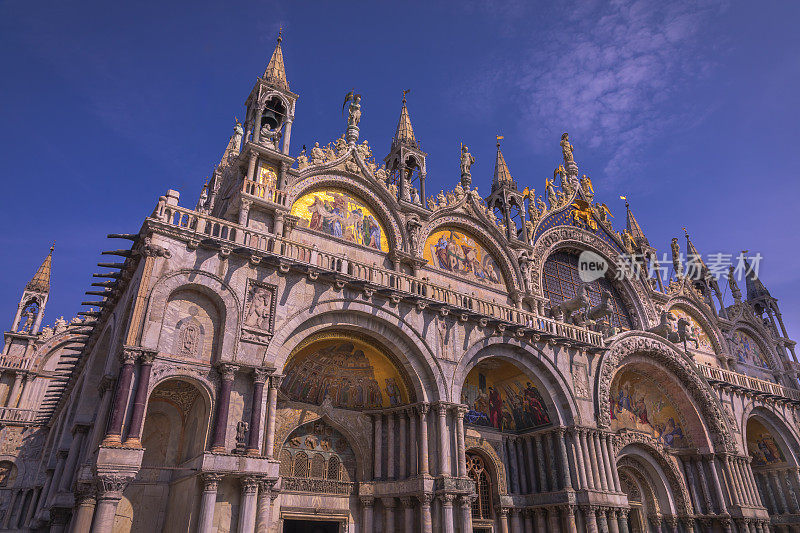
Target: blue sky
{"points": [[688, 108]]}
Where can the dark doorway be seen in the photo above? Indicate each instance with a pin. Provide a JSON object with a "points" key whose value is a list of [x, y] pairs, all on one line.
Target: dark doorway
{"points": [[310, 526]]}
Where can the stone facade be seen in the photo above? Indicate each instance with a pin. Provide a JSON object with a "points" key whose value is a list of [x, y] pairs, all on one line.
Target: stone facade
{"points": [[318, 344]]}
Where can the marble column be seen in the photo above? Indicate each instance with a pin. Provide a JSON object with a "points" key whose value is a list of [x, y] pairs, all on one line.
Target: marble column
{"points": [[13, 396], [568, 515], [794, 483], [513, 469], [388, 514], [602, 520], [402, 456], [391, 453], [735, 485], [426, 521], [75, 449], [587, 460], [114, 433], [422, 410], [613, 461], [502, 517], [566, 481], [776, 482], [590, 517], [447, 513], [522, 478], [623, 520], [7, 518], [745, 473], [541, 463], [686, 462], [698, 465], [531, 464], [408, 514], [413, 447], [377, 447], [247, 506], [613, 521], [709, 460], [272, 409], [109, 493], [140, 400], [576, 457], [528, 514], [205, 523], [541, 518], [462, 452], [593, 461], [367, 503], [264, 514], [259, 378], [223, 406], [766, 493], [601, 464], [444, 448]]}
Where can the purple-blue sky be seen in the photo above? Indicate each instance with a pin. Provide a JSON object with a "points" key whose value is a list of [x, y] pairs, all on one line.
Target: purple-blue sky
{"points": [[690, 109]]}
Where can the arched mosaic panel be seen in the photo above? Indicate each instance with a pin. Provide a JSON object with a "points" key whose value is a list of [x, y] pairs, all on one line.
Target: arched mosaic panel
{"points": [[499, 395], [561, 282], [454, 251], [317, 458], [337, 213], [636, 403], [346, 369], [696, 331], [762, 446], [747, 350]]}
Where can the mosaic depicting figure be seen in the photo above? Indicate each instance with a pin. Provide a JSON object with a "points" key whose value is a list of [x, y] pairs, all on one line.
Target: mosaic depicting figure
{"points": [[336, 213], [637, 404], [456, 252], [502, 397], [762, 446], [747, 350], [693, 329], [349, 373]]}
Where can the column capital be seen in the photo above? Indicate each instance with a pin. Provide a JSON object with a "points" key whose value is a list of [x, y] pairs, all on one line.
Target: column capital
{"points": [[128, 355], [227, 371], [266, 484], [211, 481], [447, 499], [111, 486], [426, 498], [461, 410], [465, 500], [249, 484], [275, 381], [85, 493], [405, 502], [423, 409], [260, 375], [502, 512], [367, 501], [442, 408]]}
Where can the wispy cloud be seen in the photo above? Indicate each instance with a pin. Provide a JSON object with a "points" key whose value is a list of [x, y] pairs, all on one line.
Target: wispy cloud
{"points": [[612, 74]]}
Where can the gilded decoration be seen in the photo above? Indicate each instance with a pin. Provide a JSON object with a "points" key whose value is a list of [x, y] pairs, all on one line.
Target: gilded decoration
{"points": [[637, 404], [347, 370], [337, 213], [267, 175], [747, 350], [762, 446], [456, 252], [499, 395], [694, 330]]}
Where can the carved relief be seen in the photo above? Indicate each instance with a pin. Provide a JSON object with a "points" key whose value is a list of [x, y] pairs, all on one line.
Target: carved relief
{"points": [[580, 380], [259, 312]]}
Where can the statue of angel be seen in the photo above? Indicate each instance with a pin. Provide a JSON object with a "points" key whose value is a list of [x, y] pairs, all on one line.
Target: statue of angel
{"points": [[354, 111]]}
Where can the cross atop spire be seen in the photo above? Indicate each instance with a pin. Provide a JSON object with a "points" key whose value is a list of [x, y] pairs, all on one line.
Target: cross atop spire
{"points": [[405, 132], [502, 175], [41, 280], [276, 73]]}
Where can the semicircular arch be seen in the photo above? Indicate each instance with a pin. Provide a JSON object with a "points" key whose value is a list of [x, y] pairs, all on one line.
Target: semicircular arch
{"points": [[701, 316]]}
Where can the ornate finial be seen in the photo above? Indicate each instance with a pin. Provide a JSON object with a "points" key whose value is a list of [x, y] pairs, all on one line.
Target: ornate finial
{"points": [[280, 34], [405, 92], [53, 246], [499, 138], [686, 232], [626, 200]]}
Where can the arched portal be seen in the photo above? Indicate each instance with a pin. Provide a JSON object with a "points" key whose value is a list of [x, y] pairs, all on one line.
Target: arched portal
{"points": [[485, 487], [774, 462], [174, 432]]}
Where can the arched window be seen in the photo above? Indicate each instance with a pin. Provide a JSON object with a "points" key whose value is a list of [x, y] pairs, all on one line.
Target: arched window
{"points": [[482, 505], [333, 468], [318, 467], [561, 282], [300, 465]]}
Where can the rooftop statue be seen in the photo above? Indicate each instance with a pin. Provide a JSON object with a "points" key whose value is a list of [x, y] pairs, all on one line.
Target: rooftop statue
{"points": [[467, 160], [354, 111], [566, 148]]}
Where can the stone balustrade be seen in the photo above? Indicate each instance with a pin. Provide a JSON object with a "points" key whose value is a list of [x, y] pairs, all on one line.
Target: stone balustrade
{"points": [[369, 276], [742, 381], [8, 362], [13, 415]]}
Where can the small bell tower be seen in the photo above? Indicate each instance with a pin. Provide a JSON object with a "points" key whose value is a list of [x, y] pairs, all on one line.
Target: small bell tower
{"points": [[405, 163], [506, 201], [270, 106], [31, 306]]}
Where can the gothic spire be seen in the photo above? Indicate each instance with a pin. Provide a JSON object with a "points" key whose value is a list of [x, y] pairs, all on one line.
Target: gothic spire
{"points": [[634, 228], [276, 73], [501, 174], [41, 280], [405, 132]]}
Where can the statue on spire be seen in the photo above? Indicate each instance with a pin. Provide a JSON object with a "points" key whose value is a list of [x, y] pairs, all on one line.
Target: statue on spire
{"points": [[467, 160], [353, 116], [566, 149]]}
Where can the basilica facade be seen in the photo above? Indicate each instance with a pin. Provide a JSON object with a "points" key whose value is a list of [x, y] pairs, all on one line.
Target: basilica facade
{"points": [[322, 345]]}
